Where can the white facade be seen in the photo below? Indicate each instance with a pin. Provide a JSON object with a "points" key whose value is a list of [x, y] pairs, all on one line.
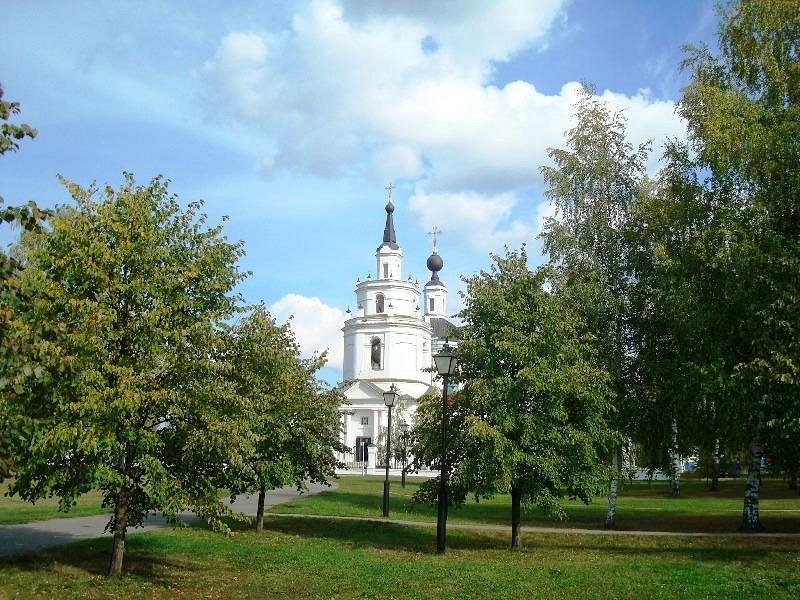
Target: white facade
{"points": [[387, 340]]}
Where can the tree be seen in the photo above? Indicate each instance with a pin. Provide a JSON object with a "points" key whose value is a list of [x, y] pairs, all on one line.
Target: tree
{"points": [[593, 185], [530, 419], [13, 371], [743, 112], [294, 418], [129, 398]]}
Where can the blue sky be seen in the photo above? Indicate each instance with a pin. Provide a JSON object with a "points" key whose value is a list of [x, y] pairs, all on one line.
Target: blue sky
{"points": [[292, 117]]}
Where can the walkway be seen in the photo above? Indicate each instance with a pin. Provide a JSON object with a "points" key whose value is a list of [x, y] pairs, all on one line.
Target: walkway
{"points": [[37, 535], [528, 529]]}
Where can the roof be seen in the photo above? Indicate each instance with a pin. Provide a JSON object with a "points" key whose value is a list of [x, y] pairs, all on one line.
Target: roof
{"points": [[442, 328]]}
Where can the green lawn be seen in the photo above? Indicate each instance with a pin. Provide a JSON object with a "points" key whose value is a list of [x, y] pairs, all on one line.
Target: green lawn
{"points": [[299, 558], [14, 510], [641, 506]]}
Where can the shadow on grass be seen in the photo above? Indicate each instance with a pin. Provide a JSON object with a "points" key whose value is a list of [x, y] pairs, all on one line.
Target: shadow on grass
{"points": [[680, 514], [141, 562], [390, 536]]}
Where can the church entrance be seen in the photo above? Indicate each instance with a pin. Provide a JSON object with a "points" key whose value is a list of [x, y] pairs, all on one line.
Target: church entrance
{"points": [[362, 454]]}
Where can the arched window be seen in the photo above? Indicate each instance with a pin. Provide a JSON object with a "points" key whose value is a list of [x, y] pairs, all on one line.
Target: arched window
{"points": [[375, 353], [379, 303]]}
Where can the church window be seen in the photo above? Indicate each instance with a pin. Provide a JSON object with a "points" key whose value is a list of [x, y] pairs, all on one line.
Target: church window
{"points": [[379, 303], [365, 420], [431, 303], [375, 353], [385, 271]]}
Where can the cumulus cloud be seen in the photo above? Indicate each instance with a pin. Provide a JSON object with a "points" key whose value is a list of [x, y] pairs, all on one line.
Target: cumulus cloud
{"points": [[475, 220], [401, 90], [317, 325], [351, 85]]}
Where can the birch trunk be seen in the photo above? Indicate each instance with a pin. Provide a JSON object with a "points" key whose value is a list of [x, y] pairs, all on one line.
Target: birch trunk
{"points": [[675, 461], [715, 467], [120, 528], [611, 513], [262, 494], [516, 514], [750, 517]]}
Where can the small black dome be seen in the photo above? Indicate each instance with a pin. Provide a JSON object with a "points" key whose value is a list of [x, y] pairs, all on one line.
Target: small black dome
{"points": [[390, 207], [435, 263]]}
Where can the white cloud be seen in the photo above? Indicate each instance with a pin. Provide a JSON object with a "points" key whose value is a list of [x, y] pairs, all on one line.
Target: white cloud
{"points": [[316, 325], [471, 30], [393, 90], [474, 220], [343, 88]]}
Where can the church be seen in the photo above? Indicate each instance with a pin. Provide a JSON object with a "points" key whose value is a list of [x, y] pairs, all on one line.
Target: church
{"points": [[389, 339]]}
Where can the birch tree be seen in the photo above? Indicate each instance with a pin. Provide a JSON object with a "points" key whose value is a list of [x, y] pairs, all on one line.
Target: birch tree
{"points": [[593, 184], [743, 111]]}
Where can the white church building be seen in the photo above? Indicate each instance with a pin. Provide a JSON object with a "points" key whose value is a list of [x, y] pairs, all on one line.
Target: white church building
{"points": [[389, 339]]}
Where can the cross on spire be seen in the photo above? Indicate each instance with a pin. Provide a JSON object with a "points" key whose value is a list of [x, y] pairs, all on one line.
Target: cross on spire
{"points": [[435, 233], [389, 189]]}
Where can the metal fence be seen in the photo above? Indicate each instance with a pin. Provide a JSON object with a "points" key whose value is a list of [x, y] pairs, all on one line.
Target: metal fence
{"points": [[354, 460]]}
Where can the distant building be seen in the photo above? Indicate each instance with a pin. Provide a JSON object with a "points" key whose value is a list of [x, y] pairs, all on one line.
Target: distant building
{"points": [[389, 339]]}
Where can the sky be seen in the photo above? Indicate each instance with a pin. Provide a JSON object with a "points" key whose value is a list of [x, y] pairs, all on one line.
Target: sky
{"points": [[291, 118]]}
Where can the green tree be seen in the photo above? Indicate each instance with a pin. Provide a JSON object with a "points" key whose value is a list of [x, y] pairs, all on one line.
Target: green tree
{"points": [[13, 369], [10, 134], [530, 419], [593, 185], [293, 417], [128, 397], [743, 112]]}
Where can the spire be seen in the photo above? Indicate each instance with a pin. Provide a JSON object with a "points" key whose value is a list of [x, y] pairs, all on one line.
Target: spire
{"points": [[389, 236]]}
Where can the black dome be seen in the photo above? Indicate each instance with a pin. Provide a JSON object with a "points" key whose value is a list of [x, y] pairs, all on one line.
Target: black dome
{"points": [[435, 263], [390, 207]]}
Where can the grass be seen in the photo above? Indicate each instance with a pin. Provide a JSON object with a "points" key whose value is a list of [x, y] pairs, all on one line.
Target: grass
{"points": [[14, 510], [301, 558], [641, 506]]}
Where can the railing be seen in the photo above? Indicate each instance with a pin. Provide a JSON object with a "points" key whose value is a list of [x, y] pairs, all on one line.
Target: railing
{"points": [[350, 461]]}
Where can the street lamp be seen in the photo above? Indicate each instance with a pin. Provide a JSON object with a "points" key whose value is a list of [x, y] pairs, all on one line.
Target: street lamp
{"points": [[445, 363], [404, 431], [388, 399]]}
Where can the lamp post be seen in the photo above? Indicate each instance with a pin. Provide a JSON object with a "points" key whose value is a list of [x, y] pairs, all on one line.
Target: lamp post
{"points": [[388, 399], [404, 431], [445, 363]]}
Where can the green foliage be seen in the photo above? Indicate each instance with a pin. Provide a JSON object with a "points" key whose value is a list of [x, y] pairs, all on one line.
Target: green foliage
{"points": [[594, 185], [121, 391], [30, 218], [743, 112], [531, 416], [293, 418], [10, 134]]}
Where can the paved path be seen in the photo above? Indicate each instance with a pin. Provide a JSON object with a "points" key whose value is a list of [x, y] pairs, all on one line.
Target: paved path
{"points": [[528, 529], [30, 537]]}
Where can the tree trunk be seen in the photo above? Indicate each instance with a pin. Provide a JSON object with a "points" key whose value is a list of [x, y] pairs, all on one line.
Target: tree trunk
{"points": [[516, 513], [262, 494], [611, 513], [793, 477], [750, 517], [675, 461], [715, 467], [120, 528]]}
